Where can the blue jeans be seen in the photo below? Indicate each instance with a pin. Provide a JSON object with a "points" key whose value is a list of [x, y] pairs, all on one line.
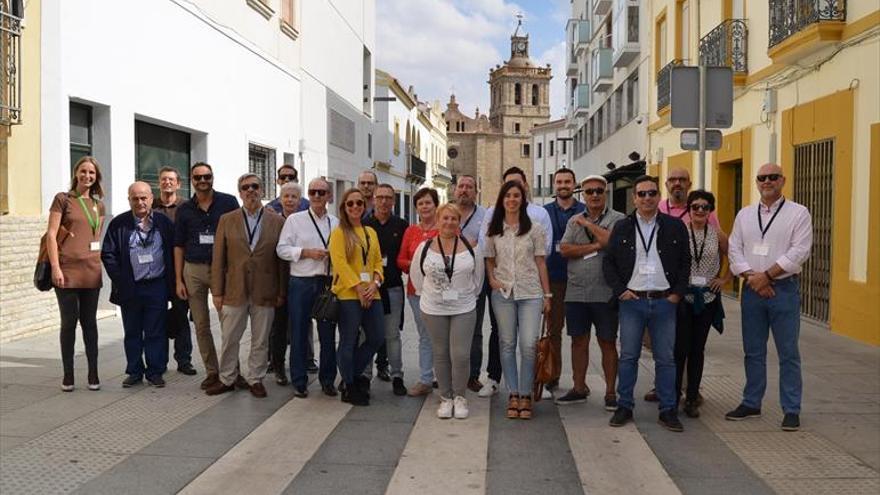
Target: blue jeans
{"points": [[353, 358], [518, 321], [301, 295], [658, 315], [426, 354], [782, 314], [143, 321]]}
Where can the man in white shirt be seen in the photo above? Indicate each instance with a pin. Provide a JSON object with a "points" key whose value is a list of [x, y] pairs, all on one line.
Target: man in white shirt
{"points": [[769, 243], [304, 241]]}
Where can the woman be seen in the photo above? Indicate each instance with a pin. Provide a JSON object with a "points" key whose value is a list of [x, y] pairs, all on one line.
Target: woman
{"points": [[701, 306], [73, 242], [357, 275], [449, 275], [515, 251], [426, 201]]}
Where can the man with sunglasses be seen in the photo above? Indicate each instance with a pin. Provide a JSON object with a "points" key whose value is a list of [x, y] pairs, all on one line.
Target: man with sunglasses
{"points": [[194, 230], [769, 243], [286, 173], [647, 265], [588, 298]]}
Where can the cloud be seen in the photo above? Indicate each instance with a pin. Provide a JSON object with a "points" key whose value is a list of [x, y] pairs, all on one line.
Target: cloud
{"points": [[555, 56]]}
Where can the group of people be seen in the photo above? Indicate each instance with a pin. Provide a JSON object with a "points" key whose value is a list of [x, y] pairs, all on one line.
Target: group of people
{"points": [[568, 264]]}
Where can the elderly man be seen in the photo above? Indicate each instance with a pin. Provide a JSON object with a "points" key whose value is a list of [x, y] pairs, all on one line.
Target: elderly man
{"points": [[137, 254], [247, 283], [769, 243], [287, 174]]}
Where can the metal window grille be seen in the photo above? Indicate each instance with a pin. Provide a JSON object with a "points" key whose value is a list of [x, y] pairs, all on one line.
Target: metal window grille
{"points": [[10, 66], [261, 161]]}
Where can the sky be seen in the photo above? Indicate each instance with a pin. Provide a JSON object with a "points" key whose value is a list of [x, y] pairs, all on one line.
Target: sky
{"points": [[438, 45]]}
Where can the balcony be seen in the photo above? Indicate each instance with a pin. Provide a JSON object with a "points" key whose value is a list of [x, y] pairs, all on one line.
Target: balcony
{"points": [[601, 7], [801, 27], [581, 100], [582, 32], [664, 86], [416, 169], [725, 46], [625, 34], [603, 73], [572, 67], [10, 67]]}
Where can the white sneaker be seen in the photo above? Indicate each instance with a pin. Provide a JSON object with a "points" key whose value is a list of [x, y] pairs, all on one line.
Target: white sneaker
{"points": [[445, 409], [461, 407], [489, 389], [546, 394]]}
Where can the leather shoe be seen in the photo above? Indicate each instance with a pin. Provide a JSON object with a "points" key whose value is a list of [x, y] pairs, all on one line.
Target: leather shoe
{"points": [[474, 385], [652, 396], [258, 390], [281, 378], [186, 369], [219, 388], [210, 381], [131, 381], [301, 392], [241, 383], [382, 374], [329, 390]]}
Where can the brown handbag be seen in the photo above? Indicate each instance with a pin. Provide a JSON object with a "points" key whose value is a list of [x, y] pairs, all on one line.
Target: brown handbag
{"points": [[547, 361]]}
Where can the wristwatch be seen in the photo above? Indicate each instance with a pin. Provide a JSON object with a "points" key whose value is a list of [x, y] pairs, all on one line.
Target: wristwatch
{"points": [[548, 296]]}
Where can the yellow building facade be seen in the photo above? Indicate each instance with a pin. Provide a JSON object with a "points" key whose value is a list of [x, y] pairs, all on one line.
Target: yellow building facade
{"points": [[806, 96]]}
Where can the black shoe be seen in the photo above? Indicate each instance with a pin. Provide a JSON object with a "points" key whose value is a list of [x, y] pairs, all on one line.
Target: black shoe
{"points": [[156, 381], [362, 383], [186, 369], [553, 385], [343, 392], [572, 397], [692, 408], [791, 422], [281, 378], [434, 384], [610, 402], [357, 397], [397, 385], [669, 420], [312, 367], [621, 416], [270, 368], [742, 412], [301, 392], [382, 374], [329, 390], [131, 381]]}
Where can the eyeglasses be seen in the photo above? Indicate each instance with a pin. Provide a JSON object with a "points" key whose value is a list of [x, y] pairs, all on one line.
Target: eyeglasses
{"points": [[249, 187], [770, 177], [366, 183], [701, 206], [386, 198], [203, 177], [317, 192], [351, 203], [594, 192], [286, 177], [677, 179], [652, 193]]}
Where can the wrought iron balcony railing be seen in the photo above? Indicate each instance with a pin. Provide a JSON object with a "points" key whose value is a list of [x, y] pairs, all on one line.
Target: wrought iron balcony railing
{"points": [[10, 67], [725, 46], [664, 86], [788, 17], [417, 168]]}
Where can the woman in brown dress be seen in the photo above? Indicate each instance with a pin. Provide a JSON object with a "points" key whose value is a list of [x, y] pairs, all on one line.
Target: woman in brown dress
{"points": [[73, 242]]}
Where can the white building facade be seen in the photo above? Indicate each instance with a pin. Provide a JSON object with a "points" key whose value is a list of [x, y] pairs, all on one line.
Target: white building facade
{"points": [[551, 145]]}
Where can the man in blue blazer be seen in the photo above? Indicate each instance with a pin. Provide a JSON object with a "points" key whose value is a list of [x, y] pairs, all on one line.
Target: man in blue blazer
{"points": [[138, 255]]}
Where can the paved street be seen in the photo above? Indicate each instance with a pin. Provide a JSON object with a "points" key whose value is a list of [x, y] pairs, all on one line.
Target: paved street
{"points": [[177, 439]]}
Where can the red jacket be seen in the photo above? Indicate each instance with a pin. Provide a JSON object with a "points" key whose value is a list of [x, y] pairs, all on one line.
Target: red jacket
{"points": [[413, 236]]}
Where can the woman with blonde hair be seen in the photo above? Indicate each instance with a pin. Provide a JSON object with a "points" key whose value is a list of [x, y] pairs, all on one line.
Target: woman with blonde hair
{"points": [[73, 243], [357, 275]]}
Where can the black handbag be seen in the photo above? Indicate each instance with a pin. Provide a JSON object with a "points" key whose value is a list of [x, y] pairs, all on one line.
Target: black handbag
{"points": [[43, 276], [326, 307]]}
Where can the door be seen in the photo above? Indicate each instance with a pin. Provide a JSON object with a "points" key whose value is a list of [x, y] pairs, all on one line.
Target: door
{"points": [[728, 203]]}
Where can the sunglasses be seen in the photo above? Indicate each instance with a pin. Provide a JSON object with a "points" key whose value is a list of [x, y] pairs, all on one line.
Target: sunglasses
{"points": [[700, 206], [287, 177], [351, 203], [367, 183], [652, 193], [770, 177], [249, 187], [594, 192], [203, 177], [317, 192]]}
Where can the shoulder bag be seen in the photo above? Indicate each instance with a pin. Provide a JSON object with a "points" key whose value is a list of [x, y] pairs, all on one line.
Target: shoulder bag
{"points": [[326, 306]]}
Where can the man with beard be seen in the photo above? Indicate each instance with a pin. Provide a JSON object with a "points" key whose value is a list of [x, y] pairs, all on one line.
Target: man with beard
{"points": [[471, 219]]}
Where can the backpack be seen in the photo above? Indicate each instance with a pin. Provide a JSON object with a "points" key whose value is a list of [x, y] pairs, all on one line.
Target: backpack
{"points": [[428, 246]]}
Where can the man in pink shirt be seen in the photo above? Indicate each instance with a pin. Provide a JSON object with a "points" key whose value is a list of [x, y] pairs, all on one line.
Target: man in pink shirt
{"points": [[678, 185]]}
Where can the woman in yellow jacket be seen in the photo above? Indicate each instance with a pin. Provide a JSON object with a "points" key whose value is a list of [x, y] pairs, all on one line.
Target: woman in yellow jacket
{"points": [[357, 275]]}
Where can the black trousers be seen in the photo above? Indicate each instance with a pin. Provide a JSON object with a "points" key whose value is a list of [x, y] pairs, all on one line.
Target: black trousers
{"points": [[278, 340], [78, 305], [691, 333]]}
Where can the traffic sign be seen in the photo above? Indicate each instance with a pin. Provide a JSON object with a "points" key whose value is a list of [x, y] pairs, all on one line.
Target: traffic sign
{"points": [[690, 139], [685, 97]]}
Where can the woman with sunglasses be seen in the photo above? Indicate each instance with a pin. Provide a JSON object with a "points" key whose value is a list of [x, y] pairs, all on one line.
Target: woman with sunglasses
{"points": [[701, 304], [357, 275], [73, 243], [514, 249]]}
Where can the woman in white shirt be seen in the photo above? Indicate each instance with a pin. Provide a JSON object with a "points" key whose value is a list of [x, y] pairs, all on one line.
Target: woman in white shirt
{"points": [[448, 274]]}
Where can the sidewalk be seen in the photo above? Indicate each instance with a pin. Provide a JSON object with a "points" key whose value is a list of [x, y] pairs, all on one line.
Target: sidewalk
{"points": [[146, 440]]}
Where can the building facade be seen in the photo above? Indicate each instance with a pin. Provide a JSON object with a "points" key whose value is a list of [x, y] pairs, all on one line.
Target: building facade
{"points": [[551, 147], [804, 97]]}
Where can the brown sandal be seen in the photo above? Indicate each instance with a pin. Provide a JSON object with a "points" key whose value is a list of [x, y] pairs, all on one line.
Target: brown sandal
{"points": [[525, 407], [513, 407]]}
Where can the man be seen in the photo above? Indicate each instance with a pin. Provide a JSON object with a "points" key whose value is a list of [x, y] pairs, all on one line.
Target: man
{"points": [[647, 267], [769, 243], [560, 211], [367, 182], [540, 217], [472, 216], [194, 228], [304, 243], [177, 322], [588, 298], [247, 283], [286, 173], [389, 229], [137, 254]]}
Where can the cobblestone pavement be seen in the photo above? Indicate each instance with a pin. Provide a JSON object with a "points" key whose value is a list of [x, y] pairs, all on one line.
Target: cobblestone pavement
{"points": [[146, 440]]}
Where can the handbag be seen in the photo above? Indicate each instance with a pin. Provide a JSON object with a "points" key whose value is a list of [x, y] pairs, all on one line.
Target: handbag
{"points": [[326, 306], [43, 269], [547, 363]]}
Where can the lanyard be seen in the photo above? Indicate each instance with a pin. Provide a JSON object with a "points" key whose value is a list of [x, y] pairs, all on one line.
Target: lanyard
{"points": [[468, 221], [251, 233], [647, 245], [147, 241], [761, 222], [93, 222], [698, 254], [597, 222], [319, 230], [449, 266], [669, 210], [366, 251]]}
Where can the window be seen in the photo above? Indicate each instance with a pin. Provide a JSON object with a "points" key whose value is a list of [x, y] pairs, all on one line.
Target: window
{"points": [[660, 42], [447, 126], [516, 127], [517, 94], [618, 107], [550, 149], [367, 82], [341, 131], [538, 187], [288, 18], [156, 147], [261, 161], [564, 147], [632, 97], [80, 132], [535, 95], [540, 150], [682, 18], [526, 150], [462, 127], [369, 145], [397, 136], [600, 124]]}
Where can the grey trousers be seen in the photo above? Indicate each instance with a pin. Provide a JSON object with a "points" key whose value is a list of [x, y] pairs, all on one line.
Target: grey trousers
{"points": [[451, 343], [233, 322]]}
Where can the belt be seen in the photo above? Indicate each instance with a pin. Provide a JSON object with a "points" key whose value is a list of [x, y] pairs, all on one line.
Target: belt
{"points": [[652, 294]]}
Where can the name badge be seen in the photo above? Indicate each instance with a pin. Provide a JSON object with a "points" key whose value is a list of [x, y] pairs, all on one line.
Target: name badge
{"points": [[145, 258], [365, 277], [450, 295], [698, 281], [591, 255], [95, 246], [761, 250], [385, 261], [556, 248], [206, 238], [647, 269]]}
